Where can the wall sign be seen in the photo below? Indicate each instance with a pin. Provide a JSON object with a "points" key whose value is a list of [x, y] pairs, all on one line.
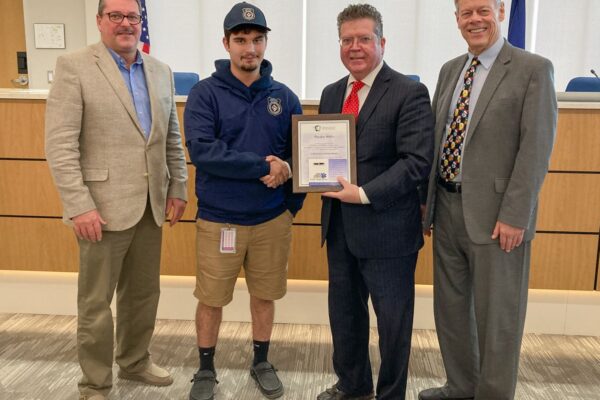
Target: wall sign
{"points": [[49, 36]]}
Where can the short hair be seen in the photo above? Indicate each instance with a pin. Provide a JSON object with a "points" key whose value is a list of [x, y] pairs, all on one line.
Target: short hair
{"points": [[245, 28], [101, 6], [456, 3], [358, 11]]}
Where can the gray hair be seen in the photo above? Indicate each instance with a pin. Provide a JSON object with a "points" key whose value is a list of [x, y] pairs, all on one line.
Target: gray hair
{"points": [[497, 3], [101, 6], [358, 11]]}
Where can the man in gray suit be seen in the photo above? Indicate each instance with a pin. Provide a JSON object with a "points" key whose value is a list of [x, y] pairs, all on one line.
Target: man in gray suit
{"points": [[496, 116], [114, 149]]}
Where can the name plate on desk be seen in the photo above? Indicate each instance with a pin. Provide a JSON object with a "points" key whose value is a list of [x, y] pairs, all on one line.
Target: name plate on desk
{"points": [[324, 148]]}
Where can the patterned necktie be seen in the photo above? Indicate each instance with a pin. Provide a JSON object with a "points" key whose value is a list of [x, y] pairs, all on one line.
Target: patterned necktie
{"points": [[453, 145], [351, 103]]}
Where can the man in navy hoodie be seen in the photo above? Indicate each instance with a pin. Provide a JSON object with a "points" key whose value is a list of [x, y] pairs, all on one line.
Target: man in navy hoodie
{"points": [[238, 132]]}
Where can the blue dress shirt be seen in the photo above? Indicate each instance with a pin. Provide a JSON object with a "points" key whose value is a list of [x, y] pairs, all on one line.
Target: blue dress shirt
{"points": [[135, 80]]}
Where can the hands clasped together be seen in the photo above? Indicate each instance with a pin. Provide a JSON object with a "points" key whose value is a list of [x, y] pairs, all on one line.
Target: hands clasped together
{"points": [[278, 174]]}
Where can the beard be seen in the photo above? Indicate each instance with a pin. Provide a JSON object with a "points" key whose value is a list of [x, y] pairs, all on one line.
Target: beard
{"points": [[249, 68]]}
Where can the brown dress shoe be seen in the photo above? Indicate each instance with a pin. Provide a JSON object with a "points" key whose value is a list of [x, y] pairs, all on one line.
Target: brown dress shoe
{"points": [[152, 375]]}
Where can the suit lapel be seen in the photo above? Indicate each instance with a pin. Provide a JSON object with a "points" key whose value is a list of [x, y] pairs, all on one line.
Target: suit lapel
{"points": [[375, 94], [109, 68], [339, 96], [148, 70], [446, 98], [489, 87]]}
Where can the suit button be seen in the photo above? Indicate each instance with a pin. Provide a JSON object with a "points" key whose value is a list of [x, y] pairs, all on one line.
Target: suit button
{"points": [[146, 174]]}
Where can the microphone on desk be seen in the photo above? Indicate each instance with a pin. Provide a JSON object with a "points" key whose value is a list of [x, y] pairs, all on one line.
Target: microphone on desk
{"points": [[594, 73]]}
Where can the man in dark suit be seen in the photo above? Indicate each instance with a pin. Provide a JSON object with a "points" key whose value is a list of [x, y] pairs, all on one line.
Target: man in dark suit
{"points": [[496, 116], [372, 227]]}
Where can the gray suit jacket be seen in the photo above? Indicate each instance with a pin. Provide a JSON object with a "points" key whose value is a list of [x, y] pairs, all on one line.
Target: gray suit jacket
{"points": [[508, 145], [96, 148]]}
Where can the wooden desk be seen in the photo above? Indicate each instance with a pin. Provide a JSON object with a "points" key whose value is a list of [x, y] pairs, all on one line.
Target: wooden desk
{"points": [[33, 237]]}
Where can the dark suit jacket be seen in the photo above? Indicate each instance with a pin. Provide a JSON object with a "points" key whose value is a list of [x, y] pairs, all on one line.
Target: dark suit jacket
{"points": [[394, 150], [508, 144]]}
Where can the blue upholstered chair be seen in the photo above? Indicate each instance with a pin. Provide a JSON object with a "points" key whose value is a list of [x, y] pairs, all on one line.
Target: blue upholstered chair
{"points": [[584, 84], [184, 81], [414, 77]]}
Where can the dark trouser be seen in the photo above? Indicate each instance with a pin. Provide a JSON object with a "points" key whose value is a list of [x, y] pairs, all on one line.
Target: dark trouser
{"points": [[390, 283], [129, 261], [480, 298]]}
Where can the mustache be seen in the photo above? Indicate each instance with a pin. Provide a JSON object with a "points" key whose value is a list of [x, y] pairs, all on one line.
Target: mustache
{"points": [[127, 30]]}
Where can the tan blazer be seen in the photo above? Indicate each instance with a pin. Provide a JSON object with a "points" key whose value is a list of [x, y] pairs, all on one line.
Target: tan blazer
{"points": [[508, 145], [95, 146]]}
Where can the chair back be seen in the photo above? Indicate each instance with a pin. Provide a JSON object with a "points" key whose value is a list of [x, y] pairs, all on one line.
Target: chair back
{"points": [[184, 81], [584, 84]]}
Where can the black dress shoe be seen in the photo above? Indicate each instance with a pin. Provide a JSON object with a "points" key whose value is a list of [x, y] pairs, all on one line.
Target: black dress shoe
{"points": [[333, 393], [440, 393]]}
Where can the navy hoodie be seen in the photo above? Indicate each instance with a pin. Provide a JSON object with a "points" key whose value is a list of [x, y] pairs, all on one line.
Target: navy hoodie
{"points": [[230, 129]]}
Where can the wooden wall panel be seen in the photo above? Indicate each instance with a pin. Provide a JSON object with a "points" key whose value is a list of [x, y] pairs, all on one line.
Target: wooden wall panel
{"points": [[22, 128], [570, 203], [563, 261], [192, 206], [37, 244], [308, 260], [424, 272], [310, 110], [179, 249], [27, 188], [311, 210], [578, 141], [180, 109]]}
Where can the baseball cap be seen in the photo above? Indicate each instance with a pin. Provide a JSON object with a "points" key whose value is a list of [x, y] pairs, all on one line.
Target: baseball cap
{"points": [[245, 14]]}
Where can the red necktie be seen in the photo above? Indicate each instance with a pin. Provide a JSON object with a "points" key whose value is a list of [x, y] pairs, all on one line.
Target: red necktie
{"points": [[351, 103]]}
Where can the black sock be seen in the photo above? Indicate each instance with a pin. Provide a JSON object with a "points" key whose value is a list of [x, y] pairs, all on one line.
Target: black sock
{"points": [[207, 358], [261, 349]]}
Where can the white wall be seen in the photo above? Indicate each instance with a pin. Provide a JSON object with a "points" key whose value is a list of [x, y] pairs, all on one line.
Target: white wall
{"points": [[421, 35], [68, 12]]}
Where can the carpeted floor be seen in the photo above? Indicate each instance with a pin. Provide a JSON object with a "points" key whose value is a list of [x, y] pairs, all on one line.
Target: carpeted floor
{"points": [[38, 361]]}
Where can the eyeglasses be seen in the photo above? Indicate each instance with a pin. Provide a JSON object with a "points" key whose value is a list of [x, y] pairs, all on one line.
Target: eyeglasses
{"points": [[117, 18], [362, 40]]}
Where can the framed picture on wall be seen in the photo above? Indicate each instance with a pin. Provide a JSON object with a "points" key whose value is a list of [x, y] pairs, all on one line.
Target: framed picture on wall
{"points": [[49, 36]]}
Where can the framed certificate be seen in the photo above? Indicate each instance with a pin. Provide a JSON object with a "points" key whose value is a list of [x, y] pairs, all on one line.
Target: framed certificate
{"points": [[49, 36], [324, 147]]}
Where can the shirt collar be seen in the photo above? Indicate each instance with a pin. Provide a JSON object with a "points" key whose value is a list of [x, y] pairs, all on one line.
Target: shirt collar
{"points": [[369, 79], [121, 61], [488, 56]]}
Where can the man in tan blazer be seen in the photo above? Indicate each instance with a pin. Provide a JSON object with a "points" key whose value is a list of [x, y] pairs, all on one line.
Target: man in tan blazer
{"points": [[114, 149], [496, 117]]}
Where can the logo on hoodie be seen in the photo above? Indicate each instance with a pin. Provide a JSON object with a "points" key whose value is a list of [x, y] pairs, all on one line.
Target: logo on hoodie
{"points": [[274, 106]]}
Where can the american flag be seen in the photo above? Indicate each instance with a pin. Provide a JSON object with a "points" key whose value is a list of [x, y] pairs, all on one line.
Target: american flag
{"points": [[145, 38]]}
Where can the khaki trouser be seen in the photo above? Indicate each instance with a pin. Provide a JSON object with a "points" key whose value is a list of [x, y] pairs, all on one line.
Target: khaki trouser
{"points": [[129, 261]]}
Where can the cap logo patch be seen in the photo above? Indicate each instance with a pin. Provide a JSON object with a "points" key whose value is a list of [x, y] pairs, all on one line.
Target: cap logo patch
{"points": [[274, 106], [248, 14]]}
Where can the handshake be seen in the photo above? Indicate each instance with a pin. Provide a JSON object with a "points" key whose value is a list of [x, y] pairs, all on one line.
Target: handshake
{"points": [[278, 174]]}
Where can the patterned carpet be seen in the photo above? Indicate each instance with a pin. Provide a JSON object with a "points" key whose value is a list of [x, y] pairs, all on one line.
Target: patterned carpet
{"points": [[38, 361]]}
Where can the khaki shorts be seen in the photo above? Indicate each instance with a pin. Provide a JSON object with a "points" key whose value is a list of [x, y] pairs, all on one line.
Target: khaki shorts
{"points": [[261, 249]]}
